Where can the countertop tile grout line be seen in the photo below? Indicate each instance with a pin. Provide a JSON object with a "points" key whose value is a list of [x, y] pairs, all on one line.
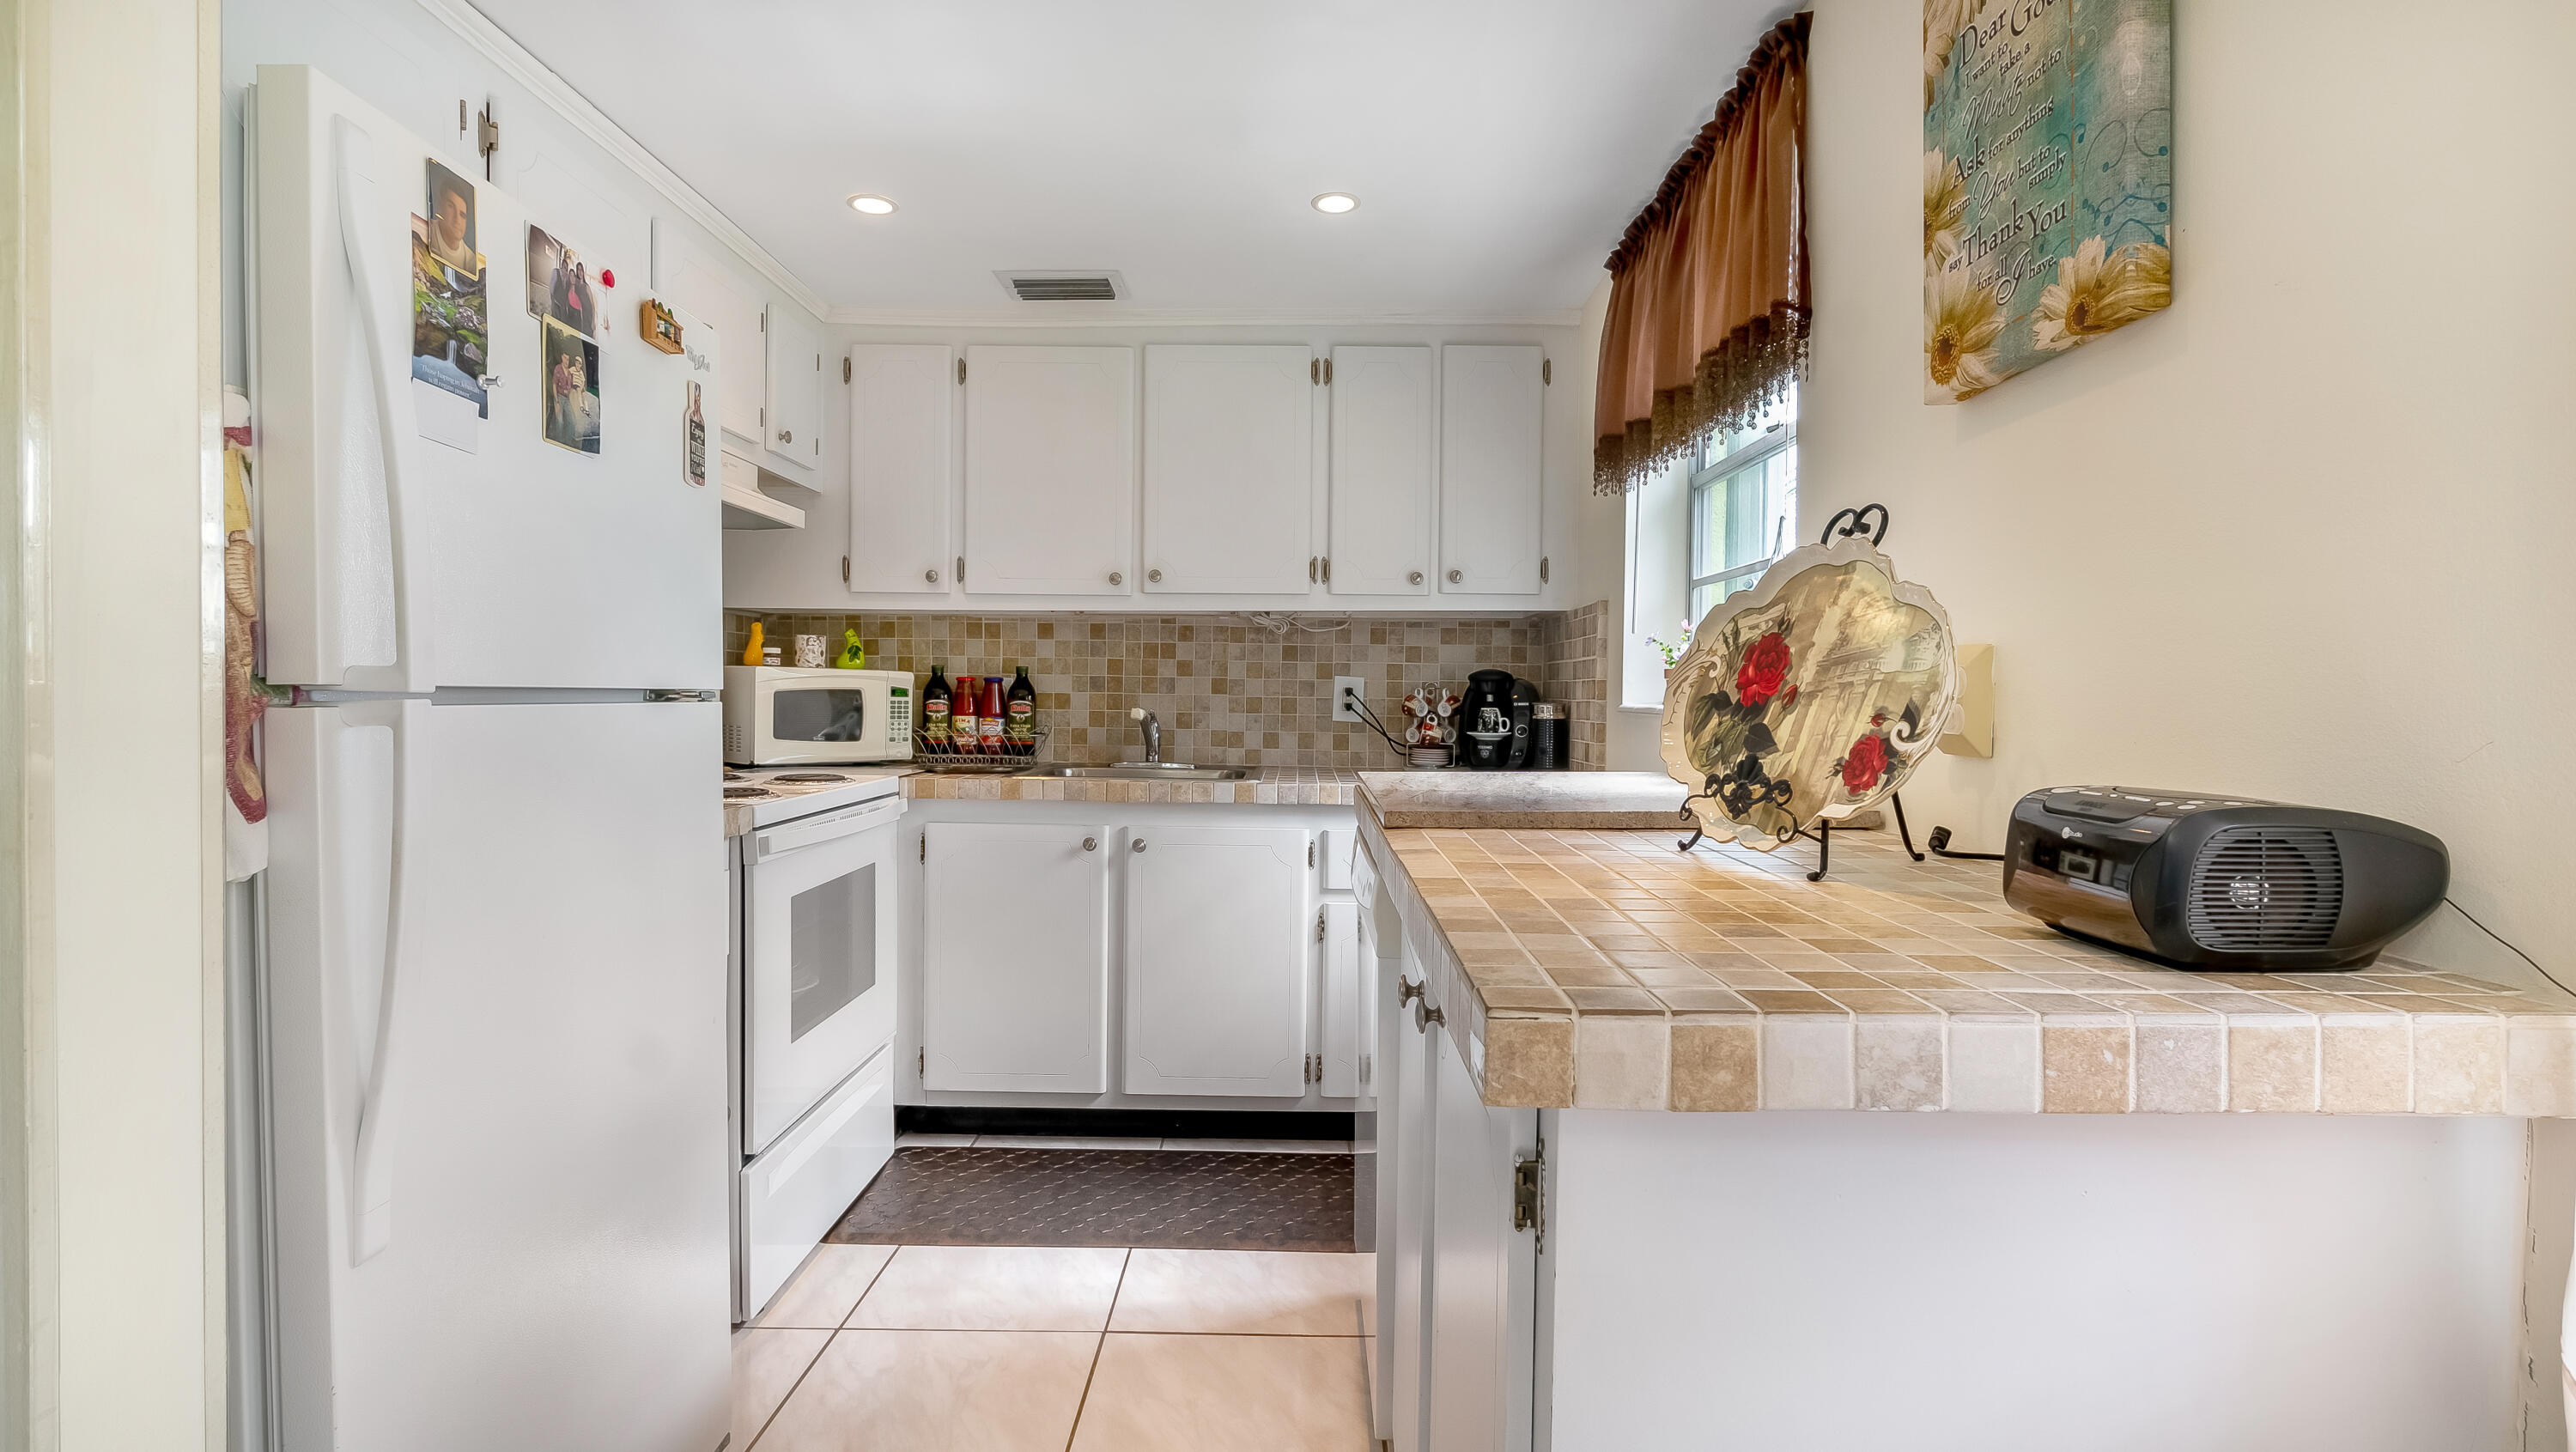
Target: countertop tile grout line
{"points": [[1103, 1340]]}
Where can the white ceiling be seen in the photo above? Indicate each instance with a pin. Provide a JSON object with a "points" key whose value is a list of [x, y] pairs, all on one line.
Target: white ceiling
{"points": [[1497, 146]]}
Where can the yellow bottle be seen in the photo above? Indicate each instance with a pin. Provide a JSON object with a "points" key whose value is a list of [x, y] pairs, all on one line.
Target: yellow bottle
{"points": [[751, 652]]}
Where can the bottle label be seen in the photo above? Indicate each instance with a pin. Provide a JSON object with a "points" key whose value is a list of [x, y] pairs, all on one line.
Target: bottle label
{"points": [[1023, 722], [934, 720], [989, 727]]}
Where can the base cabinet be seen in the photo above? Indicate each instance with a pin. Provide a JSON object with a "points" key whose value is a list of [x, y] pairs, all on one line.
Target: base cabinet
{"points": [[1015, 957], [1219, 948]]}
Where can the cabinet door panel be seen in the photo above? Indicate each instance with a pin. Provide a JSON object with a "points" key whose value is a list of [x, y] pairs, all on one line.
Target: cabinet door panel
{"points": [[1404, 1221], [1340, 1012], [1381, 490], [1491, 469], [795, 386], [1015, 958], [1229, 469], [1050, 471], [900, 406], [1480, 1307], [1219, 935]]}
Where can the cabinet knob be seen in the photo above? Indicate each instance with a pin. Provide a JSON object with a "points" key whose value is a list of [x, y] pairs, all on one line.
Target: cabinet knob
{"points": [[930, 577], [1136, 846], [1455, 577], [1117, 577], [1406, 992], [1424, 1016], [1413, 579], [787, 436], [1154, 576], [1090, 844]]}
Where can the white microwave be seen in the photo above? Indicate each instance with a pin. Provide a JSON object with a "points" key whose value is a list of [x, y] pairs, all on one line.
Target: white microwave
{"points": [[783, 716]]}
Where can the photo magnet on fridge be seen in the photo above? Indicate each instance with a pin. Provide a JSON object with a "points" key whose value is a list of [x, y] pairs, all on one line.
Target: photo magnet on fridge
{"points": [[693, 440], [451, 220], [449, 338], [559, 284], [571, 388]]}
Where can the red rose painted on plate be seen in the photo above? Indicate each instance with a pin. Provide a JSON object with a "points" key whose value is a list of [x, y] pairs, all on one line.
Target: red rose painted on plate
{"points": [[1765, 666], [1865, 765]]}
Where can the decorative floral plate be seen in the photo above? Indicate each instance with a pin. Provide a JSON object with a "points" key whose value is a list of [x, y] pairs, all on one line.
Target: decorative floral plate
{"points": [[1810, 696]]}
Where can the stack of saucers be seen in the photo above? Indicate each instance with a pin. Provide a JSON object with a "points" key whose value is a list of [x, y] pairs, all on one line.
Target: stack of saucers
{"points": [[1426, 758]]}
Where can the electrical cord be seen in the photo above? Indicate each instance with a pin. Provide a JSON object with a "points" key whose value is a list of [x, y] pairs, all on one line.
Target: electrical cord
{"points": [[2499, 937], [1379, 727]]}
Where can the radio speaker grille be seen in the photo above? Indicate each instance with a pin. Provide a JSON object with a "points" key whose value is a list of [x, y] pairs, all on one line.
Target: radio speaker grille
{"points": [[2266, 890]]}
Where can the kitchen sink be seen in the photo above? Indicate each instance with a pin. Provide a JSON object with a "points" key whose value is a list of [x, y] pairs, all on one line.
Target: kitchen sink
{"points": [[1143, 771]]}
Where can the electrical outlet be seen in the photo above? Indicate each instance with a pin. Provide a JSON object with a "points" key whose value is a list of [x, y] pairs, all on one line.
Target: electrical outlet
{"points": [[1347, 692]]}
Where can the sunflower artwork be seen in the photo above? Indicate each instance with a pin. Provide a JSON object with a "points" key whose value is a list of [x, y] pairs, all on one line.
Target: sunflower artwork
{"points": [[2047, 181], [1809, 697]]}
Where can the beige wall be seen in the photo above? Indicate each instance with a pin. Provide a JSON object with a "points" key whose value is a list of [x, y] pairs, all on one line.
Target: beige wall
{"points": [[122, 845], [2305, 535]]}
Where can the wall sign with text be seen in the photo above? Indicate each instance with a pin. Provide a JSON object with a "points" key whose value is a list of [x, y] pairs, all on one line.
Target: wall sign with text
{"points": [[2047, 181]]}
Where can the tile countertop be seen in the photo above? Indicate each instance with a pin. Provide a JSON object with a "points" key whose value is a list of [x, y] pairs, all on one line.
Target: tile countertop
{"points": [[1603, 969], [1269, 786], [1558, 799]]}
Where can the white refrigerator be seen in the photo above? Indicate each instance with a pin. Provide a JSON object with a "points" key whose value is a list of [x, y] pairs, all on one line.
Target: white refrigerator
{"points": [[491, 977]]}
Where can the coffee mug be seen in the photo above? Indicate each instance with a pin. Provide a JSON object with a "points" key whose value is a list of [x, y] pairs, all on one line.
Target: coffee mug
{"points": [[809, 652]]}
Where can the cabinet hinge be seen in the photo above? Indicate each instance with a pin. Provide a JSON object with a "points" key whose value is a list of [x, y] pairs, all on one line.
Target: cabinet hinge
{"points": [[961, 569], [764, 321], [1319, 917], [764, 415], [818, 365], [1546, 372], [1328, 569], [961, 370], [1529, 1195], [845, 370], [1310, 861], [921, 1062], [1314, 370], [845, 569], [1542, 569], [487, 139], [925, 846], [1328, 373]]}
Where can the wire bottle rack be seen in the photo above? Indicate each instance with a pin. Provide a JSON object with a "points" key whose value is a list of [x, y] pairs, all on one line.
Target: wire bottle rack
{"points": [[950, 759]]}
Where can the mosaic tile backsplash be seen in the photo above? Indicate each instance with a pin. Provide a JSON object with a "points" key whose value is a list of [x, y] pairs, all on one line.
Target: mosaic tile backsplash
{"points": [[1228, 692]]}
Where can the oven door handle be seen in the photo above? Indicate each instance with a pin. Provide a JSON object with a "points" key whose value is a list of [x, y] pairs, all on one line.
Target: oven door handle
{"points": [[829, 827]]}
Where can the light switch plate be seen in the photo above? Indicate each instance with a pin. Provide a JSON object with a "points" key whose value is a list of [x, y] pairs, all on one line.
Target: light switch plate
{"points": [[1343, 688]]}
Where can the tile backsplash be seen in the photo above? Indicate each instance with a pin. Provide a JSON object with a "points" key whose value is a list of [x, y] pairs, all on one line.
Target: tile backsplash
{"points": [[1227, 691]]}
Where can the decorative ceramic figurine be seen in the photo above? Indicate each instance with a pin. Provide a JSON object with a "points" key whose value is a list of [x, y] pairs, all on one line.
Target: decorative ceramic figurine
{"points": [[1432, 710], [1810, 696], [854, 656]]}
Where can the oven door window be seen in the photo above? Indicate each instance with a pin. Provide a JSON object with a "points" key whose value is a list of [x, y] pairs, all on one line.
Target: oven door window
{"points": [[832, 948], [818, 715]]}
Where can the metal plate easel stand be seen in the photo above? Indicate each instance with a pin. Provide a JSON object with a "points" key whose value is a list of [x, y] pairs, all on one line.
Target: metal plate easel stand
{"points": [[1843, 525]]}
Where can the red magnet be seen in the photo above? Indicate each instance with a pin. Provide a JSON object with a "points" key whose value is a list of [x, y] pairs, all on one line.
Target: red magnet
{"points": [[607, 278]]}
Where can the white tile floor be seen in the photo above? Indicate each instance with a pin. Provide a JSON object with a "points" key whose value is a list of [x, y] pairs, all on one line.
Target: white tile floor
{"points": [[1059, 1350], [1057, 1141]]}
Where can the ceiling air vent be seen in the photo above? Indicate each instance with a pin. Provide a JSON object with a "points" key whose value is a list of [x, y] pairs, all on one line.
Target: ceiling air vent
{"points": [[1078, 286]]}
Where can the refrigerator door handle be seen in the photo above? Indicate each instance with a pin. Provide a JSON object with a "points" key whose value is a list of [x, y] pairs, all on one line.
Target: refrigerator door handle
{"points": [[352, 156], [371, 1176]]}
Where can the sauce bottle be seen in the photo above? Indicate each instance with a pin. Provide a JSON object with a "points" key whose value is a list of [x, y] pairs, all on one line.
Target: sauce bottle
{"points": [[962, 729], [988, 716], [934, 709], [1020, 713]]}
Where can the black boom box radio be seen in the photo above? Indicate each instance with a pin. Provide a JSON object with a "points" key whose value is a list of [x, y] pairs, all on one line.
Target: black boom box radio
{"points": [[2209, 882]]}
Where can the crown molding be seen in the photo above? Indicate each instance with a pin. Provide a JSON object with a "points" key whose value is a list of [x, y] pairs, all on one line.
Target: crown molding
{"points": [[1096, 315], [495, 45]]}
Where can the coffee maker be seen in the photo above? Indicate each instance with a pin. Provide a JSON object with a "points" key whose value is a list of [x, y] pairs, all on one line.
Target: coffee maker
{"points": [[1493, 721]]}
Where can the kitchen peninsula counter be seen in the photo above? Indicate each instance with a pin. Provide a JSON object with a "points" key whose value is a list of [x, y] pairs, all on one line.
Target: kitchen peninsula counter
{"points": [[1604, 969], [1269, 786]]}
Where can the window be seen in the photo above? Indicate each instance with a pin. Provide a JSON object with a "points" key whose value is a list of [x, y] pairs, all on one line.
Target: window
{"points": [[1743, 506]]}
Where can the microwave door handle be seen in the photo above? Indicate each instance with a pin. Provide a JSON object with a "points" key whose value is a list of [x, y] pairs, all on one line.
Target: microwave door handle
{"points": [[772, 841], [403, 546], [372, 1157]]}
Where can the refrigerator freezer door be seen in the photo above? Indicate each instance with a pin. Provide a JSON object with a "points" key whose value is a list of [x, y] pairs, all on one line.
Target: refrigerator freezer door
{"points": [[481, 566], [554, 1269]]}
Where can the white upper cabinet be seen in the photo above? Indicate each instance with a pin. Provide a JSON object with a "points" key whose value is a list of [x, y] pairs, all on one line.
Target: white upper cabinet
{"points": [[1220, 933], [794, 398], [902, 398], [1380, 539], [1491, 470], [686, 280], [1050, 471], [1015, 957], [1229, 470]]}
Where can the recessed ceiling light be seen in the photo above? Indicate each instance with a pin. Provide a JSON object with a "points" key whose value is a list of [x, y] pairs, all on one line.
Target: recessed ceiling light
{"points": [[1336, 202], [874, 206]]}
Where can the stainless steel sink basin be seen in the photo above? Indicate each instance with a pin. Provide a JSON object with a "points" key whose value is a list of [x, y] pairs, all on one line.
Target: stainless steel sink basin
{"points": [[1143, 771]]}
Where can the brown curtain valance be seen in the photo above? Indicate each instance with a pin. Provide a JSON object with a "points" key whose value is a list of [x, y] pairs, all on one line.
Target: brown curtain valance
{"points": [[1708, 291]]}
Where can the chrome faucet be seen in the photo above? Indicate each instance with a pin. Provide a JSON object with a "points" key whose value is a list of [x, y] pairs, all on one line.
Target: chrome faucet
{"points": [[1153, 729]]}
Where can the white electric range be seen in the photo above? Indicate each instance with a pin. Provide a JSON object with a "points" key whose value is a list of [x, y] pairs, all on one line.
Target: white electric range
{"points": [[811, 862]]}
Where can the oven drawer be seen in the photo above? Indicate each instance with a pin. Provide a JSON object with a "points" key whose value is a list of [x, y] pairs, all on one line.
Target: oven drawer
{"points": [[795, 1190]]}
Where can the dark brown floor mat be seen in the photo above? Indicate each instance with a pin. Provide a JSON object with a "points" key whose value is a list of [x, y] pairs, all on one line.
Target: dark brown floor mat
{"points": [[1157, 1199]]}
